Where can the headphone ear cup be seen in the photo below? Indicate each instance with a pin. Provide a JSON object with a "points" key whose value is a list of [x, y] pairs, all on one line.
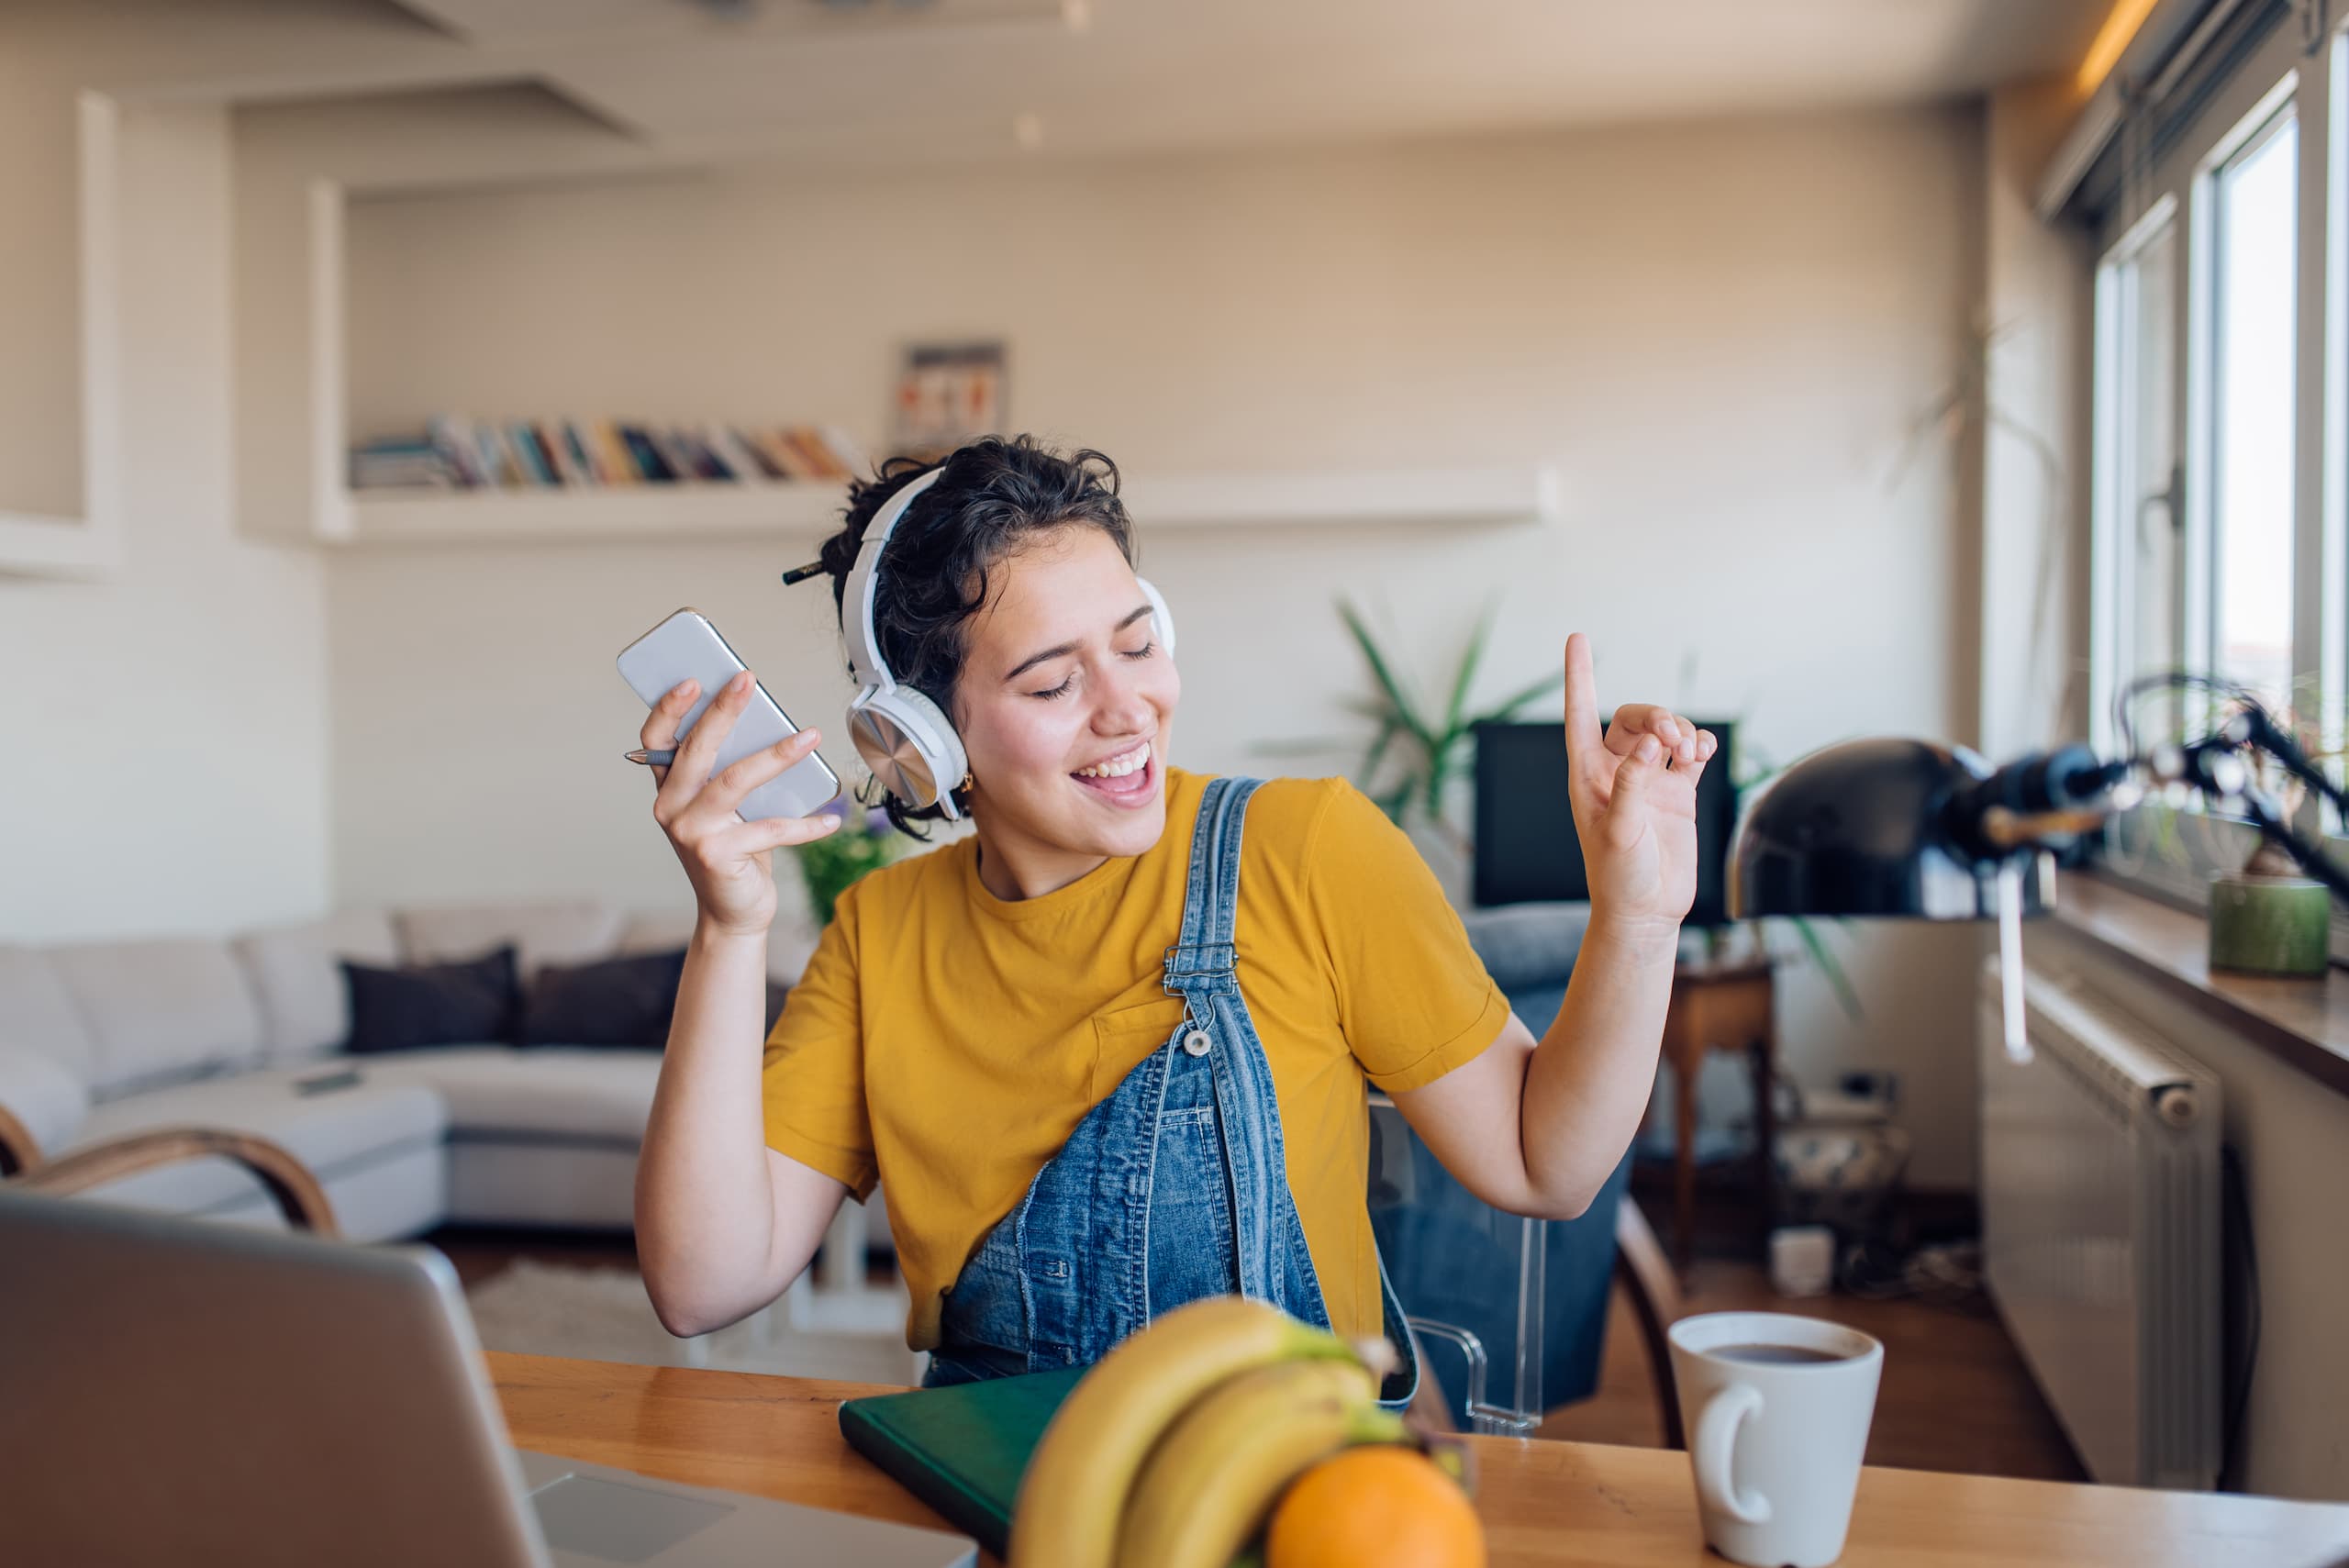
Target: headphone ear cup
{"points": [[909, 746], [1161, 619]]}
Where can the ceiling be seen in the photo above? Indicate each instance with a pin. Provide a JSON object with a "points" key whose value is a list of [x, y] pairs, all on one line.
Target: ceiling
{"points": [[929, 80]]}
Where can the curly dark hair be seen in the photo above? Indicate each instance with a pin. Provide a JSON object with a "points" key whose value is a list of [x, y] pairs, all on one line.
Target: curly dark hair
{"points": [[997, 496]]}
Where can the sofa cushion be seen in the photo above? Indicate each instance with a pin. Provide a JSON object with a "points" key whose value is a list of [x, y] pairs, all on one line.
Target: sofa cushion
{"points": [[296, 973], [1527, 944], [791, 941], [38, 1014], [549, 1093], [332, 1131], [160, 1012], [623, 1001], [42, 1095], [432, 1003], [568, 930]]}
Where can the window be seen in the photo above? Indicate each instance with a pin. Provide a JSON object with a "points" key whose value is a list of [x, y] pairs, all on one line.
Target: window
{"points": [[2254, 298], [2142, 549], [2215, 311]]}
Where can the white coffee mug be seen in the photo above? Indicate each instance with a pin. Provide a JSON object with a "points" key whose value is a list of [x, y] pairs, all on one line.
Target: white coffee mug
{"points": [[1777, 1410]]}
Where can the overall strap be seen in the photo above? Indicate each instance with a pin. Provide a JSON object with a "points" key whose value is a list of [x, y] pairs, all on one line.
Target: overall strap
{"points": [[1201, 968], [1200, 964]]}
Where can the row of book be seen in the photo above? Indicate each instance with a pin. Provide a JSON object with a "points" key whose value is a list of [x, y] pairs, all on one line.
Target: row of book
{"points": [[457, 453]]}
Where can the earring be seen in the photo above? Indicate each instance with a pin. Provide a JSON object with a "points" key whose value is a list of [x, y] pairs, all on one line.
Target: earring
{"points": [[966, 782]]}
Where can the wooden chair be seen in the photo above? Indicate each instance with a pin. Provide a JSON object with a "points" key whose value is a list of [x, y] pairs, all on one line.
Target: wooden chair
{"points": [[289, 1182], [18, 1152], [1646, 1278]]}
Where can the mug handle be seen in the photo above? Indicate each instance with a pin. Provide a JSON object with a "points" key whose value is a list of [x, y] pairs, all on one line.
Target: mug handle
{"points": [[1716, 1438]]}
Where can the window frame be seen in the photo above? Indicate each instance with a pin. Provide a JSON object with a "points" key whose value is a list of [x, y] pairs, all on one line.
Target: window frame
{"points": [[2173, 853], [2118, 501]]}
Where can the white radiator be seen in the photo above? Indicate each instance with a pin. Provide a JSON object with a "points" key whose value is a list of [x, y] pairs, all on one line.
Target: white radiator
{"points": [[2100, 1229]]}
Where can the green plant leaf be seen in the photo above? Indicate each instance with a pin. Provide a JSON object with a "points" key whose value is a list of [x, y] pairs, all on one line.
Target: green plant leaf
{"points": [[1815, 946], [1470, 658], [1438, 774], [1396, 696], [1388, 729]]}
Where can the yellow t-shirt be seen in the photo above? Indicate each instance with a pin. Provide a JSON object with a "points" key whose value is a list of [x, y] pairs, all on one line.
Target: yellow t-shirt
{"points": [[945, 1042]]}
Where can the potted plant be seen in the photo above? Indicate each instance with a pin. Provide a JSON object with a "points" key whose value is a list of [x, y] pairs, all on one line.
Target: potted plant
{"points": [[2266, 917], [1422, 756], [864, 841]]}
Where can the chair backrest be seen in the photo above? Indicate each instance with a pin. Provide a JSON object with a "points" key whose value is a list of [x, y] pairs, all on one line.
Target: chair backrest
{"points": [[298, 1192], [1469, 1276], [1517, 1309], [1646, 1276]]}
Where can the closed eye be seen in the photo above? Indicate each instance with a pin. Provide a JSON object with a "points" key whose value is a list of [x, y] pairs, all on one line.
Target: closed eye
{"points": [[1144, 651]]}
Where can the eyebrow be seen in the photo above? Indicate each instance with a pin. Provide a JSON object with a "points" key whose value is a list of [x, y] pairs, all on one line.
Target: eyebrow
{"points": [[1062, 649]]}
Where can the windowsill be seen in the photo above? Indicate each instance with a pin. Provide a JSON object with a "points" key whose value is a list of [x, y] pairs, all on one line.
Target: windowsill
{"points": [[2304, 1022]]}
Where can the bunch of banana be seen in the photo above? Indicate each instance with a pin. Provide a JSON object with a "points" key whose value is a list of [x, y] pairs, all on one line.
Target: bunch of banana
{"points": [[1172, 1451]]}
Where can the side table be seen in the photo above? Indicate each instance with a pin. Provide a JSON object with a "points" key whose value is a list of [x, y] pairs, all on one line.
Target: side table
{"points": [[1716, 1006]]}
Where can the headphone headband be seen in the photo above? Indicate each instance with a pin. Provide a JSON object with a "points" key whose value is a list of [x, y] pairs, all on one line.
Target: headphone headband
{"points": [[865, 665]]}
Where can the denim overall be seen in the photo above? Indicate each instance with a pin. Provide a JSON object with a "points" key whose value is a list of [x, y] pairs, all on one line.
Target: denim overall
{"points": [[1172, 1189]]}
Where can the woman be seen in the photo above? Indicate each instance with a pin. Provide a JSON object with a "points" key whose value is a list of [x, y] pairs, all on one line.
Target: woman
{"points": [[1108, 1055]]}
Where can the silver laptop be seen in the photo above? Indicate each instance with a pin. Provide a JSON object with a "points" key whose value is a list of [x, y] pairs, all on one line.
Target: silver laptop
{"points": [[179, 1392]]}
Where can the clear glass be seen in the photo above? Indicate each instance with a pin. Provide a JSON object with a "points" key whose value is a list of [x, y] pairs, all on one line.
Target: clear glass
{"points": [[2254, 299]]}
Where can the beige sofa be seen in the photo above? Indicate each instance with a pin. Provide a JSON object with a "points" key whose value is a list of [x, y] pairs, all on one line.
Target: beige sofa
{"points": [[104, 1040]]}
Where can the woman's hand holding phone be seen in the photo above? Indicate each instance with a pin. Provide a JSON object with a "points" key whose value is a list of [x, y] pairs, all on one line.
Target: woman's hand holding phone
{"points": [[725, 858]]}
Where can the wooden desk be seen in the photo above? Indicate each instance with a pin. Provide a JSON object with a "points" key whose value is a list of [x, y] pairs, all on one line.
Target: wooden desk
{"points": [[1716, 1007], [1584, 1504]]}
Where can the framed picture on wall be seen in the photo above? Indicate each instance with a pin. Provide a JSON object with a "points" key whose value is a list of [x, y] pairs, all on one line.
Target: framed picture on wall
{"points": [[947, 392]]}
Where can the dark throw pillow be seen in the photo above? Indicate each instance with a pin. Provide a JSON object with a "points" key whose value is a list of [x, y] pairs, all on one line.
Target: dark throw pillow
{"points": [[612, 1001], [470, 1003]]}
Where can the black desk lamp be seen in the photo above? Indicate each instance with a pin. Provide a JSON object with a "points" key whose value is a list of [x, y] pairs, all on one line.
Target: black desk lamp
{"points": [[1916, 831]]}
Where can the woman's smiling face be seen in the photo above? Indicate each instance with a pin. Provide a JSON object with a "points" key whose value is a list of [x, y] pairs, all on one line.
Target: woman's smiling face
{"points": [[1062, 676]]}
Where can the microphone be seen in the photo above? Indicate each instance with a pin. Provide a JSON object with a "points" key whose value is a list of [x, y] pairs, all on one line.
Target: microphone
{"points": [[2042, 794]]}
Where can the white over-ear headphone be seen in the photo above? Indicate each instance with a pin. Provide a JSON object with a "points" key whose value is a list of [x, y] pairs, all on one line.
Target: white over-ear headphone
{"points": [[910, 745]]}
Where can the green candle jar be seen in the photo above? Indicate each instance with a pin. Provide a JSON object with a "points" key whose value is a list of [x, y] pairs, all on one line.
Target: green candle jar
{"points": [[2269, 925]]}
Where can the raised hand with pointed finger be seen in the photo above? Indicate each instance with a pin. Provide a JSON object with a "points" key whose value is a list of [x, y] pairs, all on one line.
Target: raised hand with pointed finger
{"points": [[1634, 791]]}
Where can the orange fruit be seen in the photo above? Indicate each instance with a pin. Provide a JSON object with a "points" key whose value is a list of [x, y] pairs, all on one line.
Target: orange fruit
{"points": [[1380, 1506]]}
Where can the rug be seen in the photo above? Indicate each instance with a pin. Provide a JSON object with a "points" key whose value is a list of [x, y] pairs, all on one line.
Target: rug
{"points": [[602, 1314]]}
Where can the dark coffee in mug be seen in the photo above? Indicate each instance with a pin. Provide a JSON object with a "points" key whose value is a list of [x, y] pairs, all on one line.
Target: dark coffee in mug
{"points": [[1775, 1356]]}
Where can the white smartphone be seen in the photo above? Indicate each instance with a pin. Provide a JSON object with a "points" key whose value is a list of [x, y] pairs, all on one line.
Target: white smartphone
{"points": [[685, 646]]}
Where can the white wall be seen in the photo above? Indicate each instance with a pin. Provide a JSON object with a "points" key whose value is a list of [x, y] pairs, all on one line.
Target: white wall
{"points": [[1721, 331], [2038, 301], [167, 725]]}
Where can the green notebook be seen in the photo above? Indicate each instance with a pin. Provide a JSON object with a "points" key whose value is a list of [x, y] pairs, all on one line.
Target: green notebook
{"points": [[961, 1450]]}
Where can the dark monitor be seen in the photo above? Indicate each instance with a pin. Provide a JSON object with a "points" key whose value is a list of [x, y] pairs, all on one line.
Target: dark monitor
{"points": [[1526, 847]]}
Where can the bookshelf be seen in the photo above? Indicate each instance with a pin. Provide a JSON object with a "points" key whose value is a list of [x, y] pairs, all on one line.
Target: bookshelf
{"points": [[653, 514], [326, 514]]}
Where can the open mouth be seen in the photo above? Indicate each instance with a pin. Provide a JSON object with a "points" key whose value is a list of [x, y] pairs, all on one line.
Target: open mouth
{"points": [[1131, 787]]}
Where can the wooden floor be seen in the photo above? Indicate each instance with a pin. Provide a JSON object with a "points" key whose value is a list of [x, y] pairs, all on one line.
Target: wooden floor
{"points": [[1955, 1395], [480, 1254]]}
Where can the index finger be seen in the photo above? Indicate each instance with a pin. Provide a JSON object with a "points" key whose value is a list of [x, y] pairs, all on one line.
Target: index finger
{"points": [[660, 731], [1584, 739], [698, 755]]}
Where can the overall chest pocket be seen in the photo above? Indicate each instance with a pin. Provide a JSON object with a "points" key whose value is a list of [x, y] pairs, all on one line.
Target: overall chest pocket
{"points": [[1193, 1252]]}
